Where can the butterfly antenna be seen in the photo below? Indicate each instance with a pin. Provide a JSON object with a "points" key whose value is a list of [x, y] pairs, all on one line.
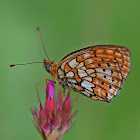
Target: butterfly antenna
{"points": [[24, 64], [38, 31]]}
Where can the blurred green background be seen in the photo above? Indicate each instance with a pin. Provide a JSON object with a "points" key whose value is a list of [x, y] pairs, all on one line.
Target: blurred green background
{"points": [[66, 26]]}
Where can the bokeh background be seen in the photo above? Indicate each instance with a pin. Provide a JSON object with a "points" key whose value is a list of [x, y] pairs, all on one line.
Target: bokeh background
{"points": [[66, 26]]}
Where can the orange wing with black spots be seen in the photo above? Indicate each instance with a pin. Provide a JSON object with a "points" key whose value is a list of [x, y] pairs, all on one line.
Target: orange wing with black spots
{"points": [[97, 71]]}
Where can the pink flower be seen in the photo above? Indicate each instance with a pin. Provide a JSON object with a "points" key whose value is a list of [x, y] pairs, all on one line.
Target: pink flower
{"points": [[52, 121]]}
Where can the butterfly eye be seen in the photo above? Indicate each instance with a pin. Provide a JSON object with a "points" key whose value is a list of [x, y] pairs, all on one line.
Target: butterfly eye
{"points": [[48, 67]]}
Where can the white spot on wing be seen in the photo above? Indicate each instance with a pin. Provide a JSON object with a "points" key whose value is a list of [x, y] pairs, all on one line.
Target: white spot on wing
{"points": [[116, 92], [60, 73], [81, 73], [70, 74], [93, 75], [87, 85], [88, 78], [110, 96], [89, 60], [118, 54], [119, 83], [86, 55], [80, 65], [109, 78], [73, 63], [120, 76], [111, 90], [89, 71], [62, 65], [117, 67], [103, 70], [72, 81], [110, 52], [83, 68], [99, 90]]}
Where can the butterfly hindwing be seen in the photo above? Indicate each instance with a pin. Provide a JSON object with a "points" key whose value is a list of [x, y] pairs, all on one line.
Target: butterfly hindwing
{"points": [[97, 72]]}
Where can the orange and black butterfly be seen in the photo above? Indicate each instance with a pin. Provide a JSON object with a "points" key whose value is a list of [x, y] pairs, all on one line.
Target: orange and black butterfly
{"points": [[97, 72]]}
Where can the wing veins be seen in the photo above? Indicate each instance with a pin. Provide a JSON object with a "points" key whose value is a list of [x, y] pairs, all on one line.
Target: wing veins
{"points": [[96, 85]]}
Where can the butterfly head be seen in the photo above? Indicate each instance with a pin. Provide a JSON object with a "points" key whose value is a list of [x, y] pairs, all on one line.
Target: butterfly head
{"points": [[50, 66]]}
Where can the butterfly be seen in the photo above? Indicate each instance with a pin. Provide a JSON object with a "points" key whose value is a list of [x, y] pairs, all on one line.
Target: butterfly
{"points": [[97, 72]]}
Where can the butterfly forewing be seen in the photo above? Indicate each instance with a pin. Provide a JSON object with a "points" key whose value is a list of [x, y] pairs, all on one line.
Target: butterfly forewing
{"points": [[97, 71]]}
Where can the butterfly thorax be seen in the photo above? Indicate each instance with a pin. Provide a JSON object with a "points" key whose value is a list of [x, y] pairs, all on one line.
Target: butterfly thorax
{"points": [[51, 67]]}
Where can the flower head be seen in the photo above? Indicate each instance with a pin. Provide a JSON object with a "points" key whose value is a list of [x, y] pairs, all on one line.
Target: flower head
{"points": [[53, 120]]}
